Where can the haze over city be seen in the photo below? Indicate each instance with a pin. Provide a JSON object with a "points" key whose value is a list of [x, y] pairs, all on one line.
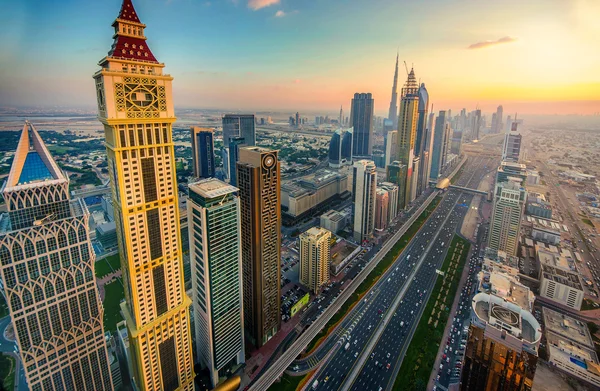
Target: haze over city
{"points": [[535, 57]]}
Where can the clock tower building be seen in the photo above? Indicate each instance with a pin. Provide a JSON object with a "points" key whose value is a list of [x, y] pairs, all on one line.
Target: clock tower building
{"points": [[136, 108]]}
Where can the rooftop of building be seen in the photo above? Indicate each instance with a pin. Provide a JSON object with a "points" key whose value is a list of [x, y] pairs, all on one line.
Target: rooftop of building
{"points": [[563, 349], [506, 285], [507, 316], [512, 166], [212, 188], [340, 251], [501, 257], [334, 215], [198, 129], [567, 326], [32, 163], [389, 186], [310, 183], [106, 227], [558, 269], [539, 205], [315, 233]]}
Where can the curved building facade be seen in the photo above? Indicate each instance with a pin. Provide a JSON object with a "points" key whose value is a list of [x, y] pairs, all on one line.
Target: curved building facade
{"points": [[340, 148]]}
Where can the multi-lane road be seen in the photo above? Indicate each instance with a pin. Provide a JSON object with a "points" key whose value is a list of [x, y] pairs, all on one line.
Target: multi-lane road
{"points": [[378, 330]]}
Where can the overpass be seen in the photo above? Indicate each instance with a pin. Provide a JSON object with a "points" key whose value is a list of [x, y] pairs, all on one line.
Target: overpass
{"points": [[468, 189]]}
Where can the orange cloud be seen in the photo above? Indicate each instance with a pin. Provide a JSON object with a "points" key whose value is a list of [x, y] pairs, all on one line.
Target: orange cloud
{"points": [[485, 44], [258, 4]]}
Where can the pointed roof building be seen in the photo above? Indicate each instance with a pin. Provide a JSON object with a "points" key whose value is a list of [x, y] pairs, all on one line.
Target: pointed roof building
{"points": [[129, 40], [393, 111], [32, 163]]}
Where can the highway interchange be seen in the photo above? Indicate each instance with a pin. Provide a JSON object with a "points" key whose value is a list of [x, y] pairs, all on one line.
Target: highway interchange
{"points": [[378, 330]]}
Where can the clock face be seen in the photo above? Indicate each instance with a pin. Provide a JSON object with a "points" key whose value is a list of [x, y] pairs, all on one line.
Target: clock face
{"points": [[269, 161]]}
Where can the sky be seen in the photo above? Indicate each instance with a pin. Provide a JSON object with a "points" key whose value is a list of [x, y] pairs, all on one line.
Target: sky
{"points": [[533, 56]]}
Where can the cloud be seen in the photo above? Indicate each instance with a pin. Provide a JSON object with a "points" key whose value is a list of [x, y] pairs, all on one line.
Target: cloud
{"points": [[297, 81], [485, 44], [279, 14], [258, 4]]}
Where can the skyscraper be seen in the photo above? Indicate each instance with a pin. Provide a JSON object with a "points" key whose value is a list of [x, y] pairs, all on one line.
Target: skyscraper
{"points": [[392, 190], [341, 119], [511, 150], [437, 157], [421, 146], [364, 186], [136, 109], [235, 143], [408, 118], [361, 119], [259, 184], [203, 152], [47, 270], [340, 148], [315, 258], [476, 124], [393, 111], [382, 202], [499, 118], [239, 125], [391, 147], [509, 204], [216, 261], [297, 119]]}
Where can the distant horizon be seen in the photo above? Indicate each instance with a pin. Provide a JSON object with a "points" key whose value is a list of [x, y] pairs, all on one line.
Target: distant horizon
{"points": [[285, 55]]}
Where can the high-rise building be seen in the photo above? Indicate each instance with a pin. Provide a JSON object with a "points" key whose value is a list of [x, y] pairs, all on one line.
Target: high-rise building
{"points": [[391, 147], [340, 148], [341, 119], [47, 270], [446, 144], [259, 183], [361, 119], [216, 261], [475, 124], [408, 118], [297, 120], [392, 190], [421, 147], [437, 153], [315, 258], [203, 152], [136, 108], [239, 125], [393, 111], [364, 185], [382, 201], [235, 143], [509, 206], [501, 352], [511, 151], [499, 118]]}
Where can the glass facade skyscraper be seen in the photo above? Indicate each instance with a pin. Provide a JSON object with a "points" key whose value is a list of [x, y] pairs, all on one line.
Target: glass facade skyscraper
{"points": [[239, 125], [215, 257], [203, 152], [361, 119]]}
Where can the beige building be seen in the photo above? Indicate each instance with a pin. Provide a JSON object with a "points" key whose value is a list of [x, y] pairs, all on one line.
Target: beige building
{"points": [[382, 202], [259, 178], [315, 258], [333, 221], [391, 147], [364, 186], [558, 282], [47, 270], [303, 195], [135, 106], [392, 190], [571, 347]]}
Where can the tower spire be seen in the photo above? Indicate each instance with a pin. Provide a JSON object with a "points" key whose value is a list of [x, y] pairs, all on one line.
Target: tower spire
{"points": [[393, 111], [129, 40]]}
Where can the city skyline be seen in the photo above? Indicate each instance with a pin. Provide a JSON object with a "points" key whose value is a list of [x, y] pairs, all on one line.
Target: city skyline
{"points": [[527, 59]]}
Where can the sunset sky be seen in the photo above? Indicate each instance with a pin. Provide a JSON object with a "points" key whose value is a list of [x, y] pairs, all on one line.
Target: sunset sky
{"points": [[532, 56]]}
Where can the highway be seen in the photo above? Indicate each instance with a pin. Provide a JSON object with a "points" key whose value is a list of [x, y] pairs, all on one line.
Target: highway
{"points": [[382, 326]]}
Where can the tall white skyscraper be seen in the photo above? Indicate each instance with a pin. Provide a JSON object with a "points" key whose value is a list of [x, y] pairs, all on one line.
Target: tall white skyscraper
{"points": [[364, 187], [512, 143], [509, 204], [216, 262]]}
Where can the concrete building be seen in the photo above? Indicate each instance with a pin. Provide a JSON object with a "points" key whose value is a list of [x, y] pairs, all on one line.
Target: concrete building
{"points": [[533, 177], [382, 201], [259, 185], [494, 260], [333, 221], [364, 186], [113, 361], [46, 269], [391, 147], [511, 150], [135, 106], [203, 152], [361, 120], [213, 210], [239, 125], [511, 169], [107, 235], [509, 202], [311, 193], [571, 348], [392, 191], [315, 258], [543, 210], [559, 280]]}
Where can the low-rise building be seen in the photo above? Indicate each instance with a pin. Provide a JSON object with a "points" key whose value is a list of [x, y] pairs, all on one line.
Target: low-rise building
{"points": [[511, 169], [571, 347], [334, 221], [559, 280], [538, 209]]}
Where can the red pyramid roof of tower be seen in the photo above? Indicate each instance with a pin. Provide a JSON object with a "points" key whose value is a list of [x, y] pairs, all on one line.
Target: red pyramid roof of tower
{"points": [[128, 12], [131, 48]]}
